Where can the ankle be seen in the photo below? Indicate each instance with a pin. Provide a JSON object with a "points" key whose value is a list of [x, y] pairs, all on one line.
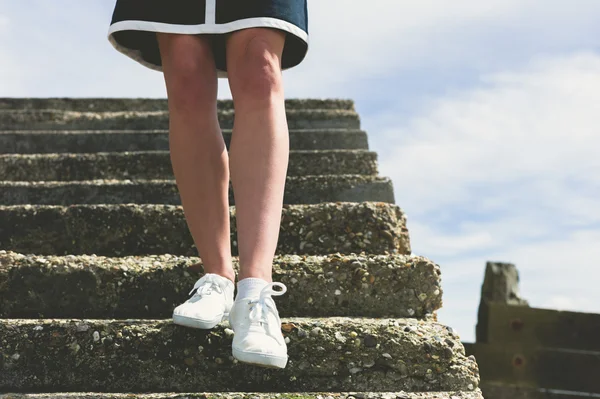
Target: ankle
{"points": [[229, 275], [266, 276], [250, 287]]}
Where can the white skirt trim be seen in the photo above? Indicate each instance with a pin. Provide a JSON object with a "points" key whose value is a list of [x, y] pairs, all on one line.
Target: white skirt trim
{"points": [[260, 22]]}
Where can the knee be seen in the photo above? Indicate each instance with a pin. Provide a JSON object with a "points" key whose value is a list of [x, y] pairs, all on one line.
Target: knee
{"points": [[191, 82], [257, 74]]}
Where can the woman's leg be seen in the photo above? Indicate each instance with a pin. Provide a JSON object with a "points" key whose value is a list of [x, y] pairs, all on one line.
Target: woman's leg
{"points": [[198, 153], [259, 147], [258, 164]]}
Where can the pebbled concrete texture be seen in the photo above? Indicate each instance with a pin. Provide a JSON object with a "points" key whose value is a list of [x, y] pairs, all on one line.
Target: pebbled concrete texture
{"points": [[129, 229], [152, 286], [327, 354], [157, 165], [476, 394], [91, 141], [58, 119], [147, 104], [298, 190]]}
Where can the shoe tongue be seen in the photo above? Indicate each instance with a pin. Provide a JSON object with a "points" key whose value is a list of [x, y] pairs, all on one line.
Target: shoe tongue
{"points": [[215, 278], [203, 284]]}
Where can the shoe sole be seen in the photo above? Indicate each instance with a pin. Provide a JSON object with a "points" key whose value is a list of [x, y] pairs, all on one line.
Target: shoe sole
{"points": [[197, 323], [260, 359]]}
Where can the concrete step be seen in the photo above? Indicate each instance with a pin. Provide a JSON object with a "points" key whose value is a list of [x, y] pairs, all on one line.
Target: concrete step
{"points": [[85, 141], [157, 165], [298, 190], [152, 286], [119, 230], [476, 394], [330, 354], [58, 119], [147, 104]]}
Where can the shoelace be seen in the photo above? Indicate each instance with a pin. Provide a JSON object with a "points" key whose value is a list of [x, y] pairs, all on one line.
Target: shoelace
{"points": [[260, 307], [206, 285]]}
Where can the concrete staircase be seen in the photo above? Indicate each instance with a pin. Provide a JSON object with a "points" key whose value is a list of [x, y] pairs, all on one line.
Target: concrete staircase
{"points": [[95, 254]]}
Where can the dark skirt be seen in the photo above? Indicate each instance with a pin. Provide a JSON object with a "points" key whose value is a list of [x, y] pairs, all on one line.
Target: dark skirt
{"points": [[135, 23]]}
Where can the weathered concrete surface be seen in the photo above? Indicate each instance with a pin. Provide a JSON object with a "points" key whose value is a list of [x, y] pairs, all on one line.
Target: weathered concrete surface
{"points": [[329, 354], [476, 394], [157, 165], [501, 284], [147, 104], [57, 119], [128, 229], [298, 190], [150, 287], [34, 142]]}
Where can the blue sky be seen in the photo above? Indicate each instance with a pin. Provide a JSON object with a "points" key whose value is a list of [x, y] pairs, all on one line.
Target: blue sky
{"points": [[484, 114]]}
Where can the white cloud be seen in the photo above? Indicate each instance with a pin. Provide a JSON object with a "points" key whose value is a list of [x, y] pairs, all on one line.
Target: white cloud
{"points": [[63, 51], [532, 130], [352, 45], [507, 171], [11, 75]]}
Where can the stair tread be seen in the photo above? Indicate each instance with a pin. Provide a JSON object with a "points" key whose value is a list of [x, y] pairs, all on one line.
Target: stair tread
{"points": [[475, 394], [306, 189], [55, 132], [51, 119], [90, 141], [157, 164], [134, 229], [333, 353], [165, 152], [151, 286], [149, 104], [129, 181]]}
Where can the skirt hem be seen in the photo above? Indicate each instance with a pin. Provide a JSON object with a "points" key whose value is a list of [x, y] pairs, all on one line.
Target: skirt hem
{"points": [[150, 26]]}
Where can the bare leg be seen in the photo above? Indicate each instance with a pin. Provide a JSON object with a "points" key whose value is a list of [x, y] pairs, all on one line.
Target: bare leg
{"points": [[259, 148], [198, 153]]}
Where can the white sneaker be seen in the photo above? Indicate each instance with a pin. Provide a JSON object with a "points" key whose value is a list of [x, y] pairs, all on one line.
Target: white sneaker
{"points": [[210, 304], [257, 326]]}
